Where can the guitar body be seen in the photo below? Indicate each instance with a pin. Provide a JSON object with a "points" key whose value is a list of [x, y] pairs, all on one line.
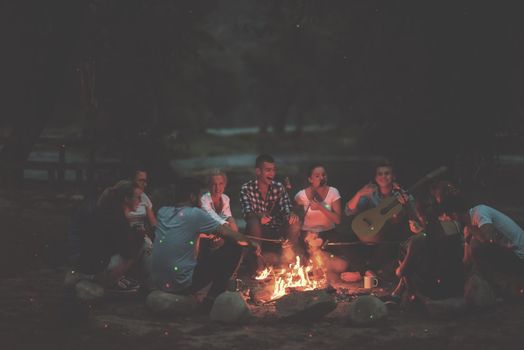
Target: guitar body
{"points": [[368, 224]]}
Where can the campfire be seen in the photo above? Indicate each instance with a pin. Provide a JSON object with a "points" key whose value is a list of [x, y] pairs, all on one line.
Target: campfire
{"points": [[296, 277]]}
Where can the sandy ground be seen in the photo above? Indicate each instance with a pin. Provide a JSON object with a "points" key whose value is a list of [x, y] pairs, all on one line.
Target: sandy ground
{"points": [[36, 312]]}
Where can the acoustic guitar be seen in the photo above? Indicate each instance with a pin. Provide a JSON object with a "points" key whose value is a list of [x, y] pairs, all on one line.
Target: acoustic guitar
{"points": [[368, 224]]}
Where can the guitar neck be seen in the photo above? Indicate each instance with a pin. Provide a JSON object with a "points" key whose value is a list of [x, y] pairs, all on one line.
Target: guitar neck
{"points": [[428, 177]]}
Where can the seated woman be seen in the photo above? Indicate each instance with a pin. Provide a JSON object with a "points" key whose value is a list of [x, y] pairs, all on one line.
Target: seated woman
{"points": [[143, 218], [321, 209], [215, 202], [109, 246]]}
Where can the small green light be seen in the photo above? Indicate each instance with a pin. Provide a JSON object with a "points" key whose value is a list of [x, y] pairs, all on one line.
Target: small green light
{"points": [[191, 242]]}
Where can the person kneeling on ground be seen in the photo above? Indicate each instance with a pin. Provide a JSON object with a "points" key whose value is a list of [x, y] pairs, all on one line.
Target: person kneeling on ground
{"points": [[177, 265], [494, 245], [432, 265]]}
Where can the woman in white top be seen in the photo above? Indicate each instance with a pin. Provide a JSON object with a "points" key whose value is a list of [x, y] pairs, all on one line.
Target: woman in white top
{"points": [[143, 218], [215, 202], [320, 202]]}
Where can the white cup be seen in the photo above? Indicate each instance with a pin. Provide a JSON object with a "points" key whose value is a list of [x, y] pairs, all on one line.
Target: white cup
{"points": [[370, 282]]}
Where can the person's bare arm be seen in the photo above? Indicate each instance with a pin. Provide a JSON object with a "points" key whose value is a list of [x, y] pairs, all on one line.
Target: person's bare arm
{"points": [[490, 234], [352, 204], [151, 217], [232, 223], [226, 232]]}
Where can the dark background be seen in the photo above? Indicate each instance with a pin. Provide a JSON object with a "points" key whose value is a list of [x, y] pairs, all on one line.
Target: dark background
{"points": [[419, 81]]}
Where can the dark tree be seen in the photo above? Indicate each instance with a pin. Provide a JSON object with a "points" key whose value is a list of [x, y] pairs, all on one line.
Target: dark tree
{"points": [[42, 36]]}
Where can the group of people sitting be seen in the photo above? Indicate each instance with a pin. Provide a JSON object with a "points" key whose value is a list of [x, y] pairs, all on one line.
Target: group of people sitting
{"points": [[194, 241]]}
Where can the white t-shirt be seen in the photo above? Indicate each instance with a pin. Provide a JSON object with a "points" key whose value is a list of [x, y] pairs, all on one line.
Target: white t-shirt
{"points": [[207, 205], [138, 217], [482, 214], [315, 220]]}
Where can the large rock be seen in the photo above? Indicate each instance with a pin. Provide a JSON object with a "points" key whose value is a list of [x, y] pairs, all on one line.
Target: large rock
{"points": [[88, 290], [230, 307], [367, 310], [305, 306], [446, 308], [478, 292], [168, 304]]}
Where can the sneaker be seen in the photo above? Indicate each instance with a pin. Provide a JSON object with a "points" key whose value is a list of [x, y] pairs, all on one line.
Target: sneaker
{"points": [[351, 276], [125, 285]]}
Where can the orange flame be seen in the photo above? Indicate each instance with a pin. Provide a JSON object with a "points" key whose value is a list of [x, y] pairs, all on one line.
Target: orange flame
{"points": [[262, 275], [296, 276]]}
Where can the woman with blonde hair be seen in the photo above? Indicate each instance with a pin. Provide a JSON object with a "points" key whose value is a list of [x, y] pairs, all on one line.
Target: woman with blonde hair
{"points": [[215, 202]]}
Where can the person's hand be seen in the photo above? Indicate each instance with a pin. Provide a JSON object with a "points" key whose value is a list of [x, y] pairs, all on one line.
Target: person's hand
{"points": [[398, 271], [256, 247], [314, 204], [293, 219], [415, 227], [467, 233], [140, 230], [403, 198], [367, 190], [396, 186], [265, 219], [216, 242]]}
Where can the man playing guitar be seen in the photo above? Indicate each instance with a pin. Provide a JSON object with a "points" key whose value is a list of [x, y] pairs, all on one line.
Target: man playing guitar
{"points": [[367, 259]]}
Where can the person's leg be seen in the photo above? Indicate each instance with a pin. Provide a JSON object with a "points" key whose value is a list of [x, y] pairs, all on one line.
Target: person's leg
{"points": [[116, 268], [358, 257], [295, 246], [253, 262], [225, 262], [216, 268], [385, 256], [499, 266], [142, 272]]}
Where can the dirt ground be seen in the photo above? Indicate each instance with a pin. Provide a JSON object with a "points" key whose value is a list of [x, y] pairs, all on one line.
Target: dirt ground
{"points": [[36, 312]]}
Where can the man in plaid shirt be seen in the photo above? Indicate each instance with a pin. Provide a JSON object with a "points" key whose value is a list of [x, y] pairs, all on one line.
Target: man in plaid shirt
{"points": [[266, 206]]}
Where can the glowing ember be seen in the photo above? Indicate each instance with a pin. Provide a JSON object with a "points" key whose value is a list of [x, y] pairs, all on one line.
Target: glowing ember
{"points": [[296, 277]]}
